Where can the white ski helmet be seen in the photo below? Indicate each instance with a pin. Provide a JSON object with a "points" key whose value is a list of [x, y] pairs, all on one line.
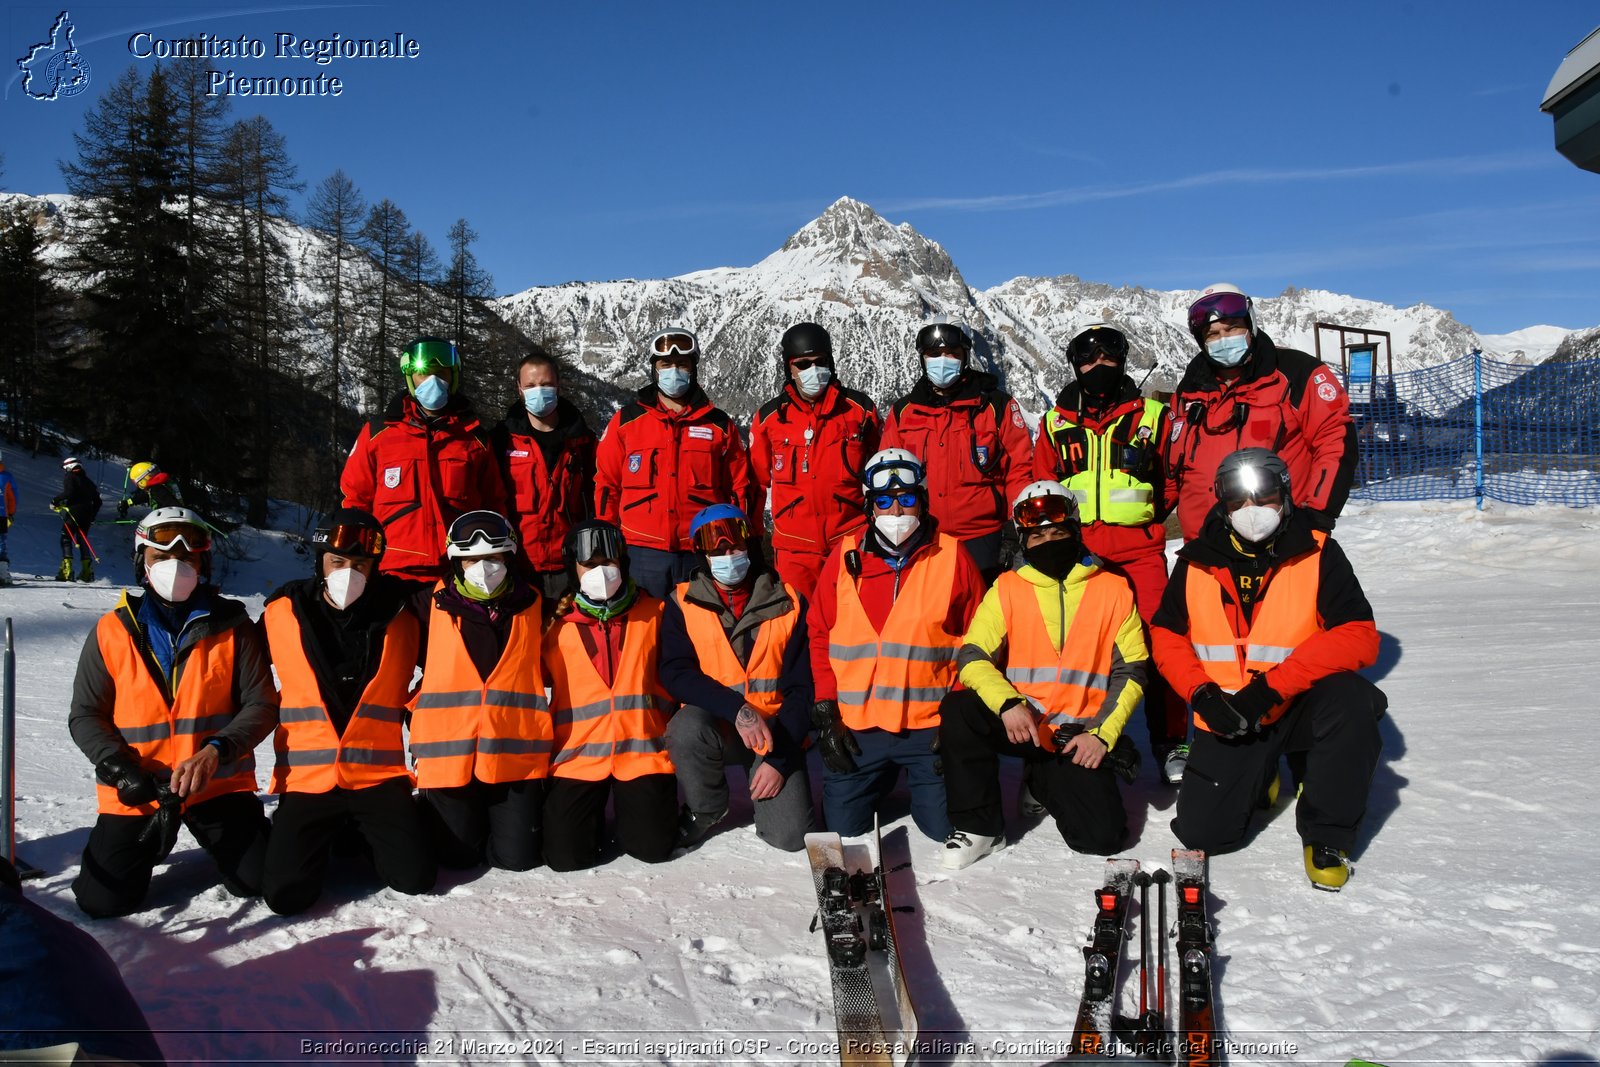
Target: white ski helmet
{"points": [[1032, 516], [1220, 300], [165, 527], [894, 468]]}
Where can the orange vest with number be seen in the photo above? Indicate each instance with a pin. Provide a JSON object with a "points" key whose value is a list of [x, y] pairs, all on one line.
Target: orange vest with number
{"points": [[166, 736], [616, 731], [465, 726], [1284, 618], [1070, 683], [756, 681], [894, 680], [312, 756]]}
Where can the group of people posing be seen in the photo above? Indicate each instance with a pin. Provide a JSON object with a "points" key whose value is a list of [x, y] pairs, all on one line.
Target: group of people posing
{"points": [[603, 621]]}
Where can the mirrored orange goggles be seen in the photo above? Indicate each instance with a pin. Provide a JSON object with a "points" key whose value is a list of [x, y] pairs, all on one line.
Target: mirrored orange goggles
{"points": [[675, 343], [170, 535], [350, 540], [722, 533], [1045, 511]]}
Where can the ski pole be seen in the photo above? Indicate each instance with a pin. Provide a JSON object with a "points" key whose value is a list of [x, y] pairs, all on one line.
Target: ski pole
{"points": [[1142, 880], [83, 537], [1162, 877]]}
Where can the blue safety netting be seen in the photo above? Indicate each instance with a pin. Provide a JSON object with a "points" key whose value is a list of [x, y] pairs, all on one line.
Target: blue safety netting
{"points": [[1479, 428]]}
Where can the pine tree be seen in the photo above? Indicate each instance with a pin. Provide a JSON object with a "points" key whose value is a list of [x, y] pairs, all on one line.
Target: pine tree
{"points": [[336, 210], [465, 282], [32, 318], [385, 235], [419, 265]]}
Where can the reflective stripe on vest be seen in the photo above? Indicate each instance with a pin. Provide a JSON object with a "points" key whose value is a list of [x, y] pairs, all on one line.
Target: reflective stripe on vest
{"points": [[1104, 491], [756, 681], [894, 680], [468, 728], [312, 757], [1071, 683], [1284, 618], [165, 737], [616, 731]]}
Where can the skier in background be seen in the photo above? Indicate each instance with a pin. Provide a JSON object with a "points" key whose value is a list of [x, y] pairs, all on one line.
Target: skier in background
{"points": [[1263, 628], [735, 654], [1243, 391], [807, 446], [152, 487], [8, 512], [78, 503], [665, 455], [971, 436]]}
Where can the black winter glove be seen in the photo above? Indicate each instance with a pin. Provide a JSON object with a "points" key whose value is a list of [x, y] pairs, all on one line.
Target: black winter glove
{"points": [[1125, 759], [134, 784], [837, 743], [122, 508], [1216, 710], [164, 825], [1255, 700]]}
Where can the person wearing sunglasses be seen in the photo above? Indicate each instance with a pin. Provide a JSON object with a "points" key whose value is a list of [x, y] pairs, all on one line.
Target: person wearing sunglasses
{"points": [[173, 694], [1242, 390], [1105, 443], [426, 461], [1054, 664], [480, 720], [344, 646], [1263, 629], [891, 606], [601, 655], [807, 446], [546, 453], [736, 656], [972, 438], [665, 455]]}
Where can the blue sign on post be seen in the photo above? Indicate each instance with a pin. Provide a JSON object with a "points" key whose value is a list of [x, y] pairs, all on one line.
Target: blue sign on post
{"points": [[1360, 384]]}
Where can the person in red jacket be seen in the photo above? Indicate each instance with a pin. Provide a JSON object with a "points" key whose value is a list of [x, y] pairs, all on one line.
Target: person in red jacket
{"points": [[1103, 441], [1243, 391], [807, 446], [972, 438], [1263, 628], [663, 457], [546, 452], [424, 465]]}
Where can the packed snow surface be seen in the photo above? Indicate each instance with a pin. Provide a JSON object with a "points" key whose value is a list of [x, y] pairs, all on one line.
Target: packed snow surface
{"points": [[1470, 932]]}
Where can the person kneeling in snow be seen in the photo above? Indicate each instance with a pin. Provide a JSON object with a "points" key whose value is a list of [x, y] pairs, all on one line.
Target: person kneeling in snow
{"points": [[344, 645], [173, 694], [1264, 626], [734, 652], [1054, 663]]}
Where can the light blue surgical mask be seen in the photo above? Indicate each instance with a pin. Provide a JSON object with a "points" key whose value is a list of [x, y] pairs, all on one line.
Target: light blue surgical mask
{"points": [[673, 381], [813, 380], [1229, 351], [432, 393], [730, 568], [943, 370], [540, 400]]}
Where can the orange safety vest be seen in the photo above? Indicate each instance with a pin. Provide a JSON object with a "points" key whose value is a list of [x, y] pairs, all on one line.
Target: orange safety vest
{"points": [[312, 756], [1284, 619], [756, 681], [894, 680], [1071, 683], [166, 736], [616, 731], [465, 726]]}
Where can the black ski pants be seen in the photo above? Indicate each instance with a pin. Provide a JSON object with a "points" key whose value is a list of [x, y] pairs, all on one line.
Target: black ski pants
{"points": [[1333, 727], [1085, 804], [115, 874], [304, 828], [645, 810], [482, 823]]}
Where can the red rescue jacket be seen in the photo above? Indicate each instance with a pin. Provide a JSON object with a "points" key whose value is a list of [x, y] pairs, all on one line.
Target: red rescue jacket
{"points": [[545, 499], [810, 455]]}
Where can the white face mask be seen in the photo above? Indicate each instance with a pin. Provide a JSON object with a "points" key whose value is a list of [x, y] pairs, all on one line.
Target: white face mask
{"points": [[600, 584], [484, 575], [897, 529], [172, 580], [813, 380], [344, 586], [1255, 523]]}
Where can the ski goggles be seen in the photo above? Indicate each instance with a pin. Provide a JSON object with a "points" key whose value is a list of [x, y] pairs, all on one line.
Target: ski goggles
{"points": [[896, 474], [1248, 485], [722, 533], [427, 357], [1098, 340], [597, 542], [480, 533], [942, 335], [885, 501], [1217, 306], [675, 343], [350, 541], [1045, 511], [170, 535]]}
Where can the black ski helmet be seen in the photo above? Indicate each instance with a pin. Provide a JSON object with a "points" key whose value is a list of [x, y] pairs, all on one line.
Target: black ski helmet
{"points": [[348, 532], [942, 335], [805, 339]]}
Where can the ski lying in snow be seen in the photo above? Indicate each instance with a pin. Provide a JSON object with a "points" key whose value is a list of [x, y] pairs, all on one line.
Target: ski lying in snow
{"points": [[902, 1020], [1102, 956], [871, 1008], [1197, 1039]]}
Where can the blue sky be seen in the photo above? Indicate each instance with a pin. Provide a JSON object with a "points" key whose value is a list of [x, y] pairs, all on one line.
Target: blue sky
{"points": [[1392, 151]]}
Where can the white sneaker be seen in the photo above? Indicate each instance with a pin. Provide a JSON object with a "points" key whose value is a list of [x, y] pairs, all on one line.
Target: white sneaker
{"points": [[1028, 805], [962, 849]]}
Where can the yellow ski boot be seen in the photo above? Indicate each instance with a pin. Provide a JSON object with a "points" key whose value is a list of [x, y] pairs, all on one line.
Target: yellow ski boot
{"points": [[1328, 868]]}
